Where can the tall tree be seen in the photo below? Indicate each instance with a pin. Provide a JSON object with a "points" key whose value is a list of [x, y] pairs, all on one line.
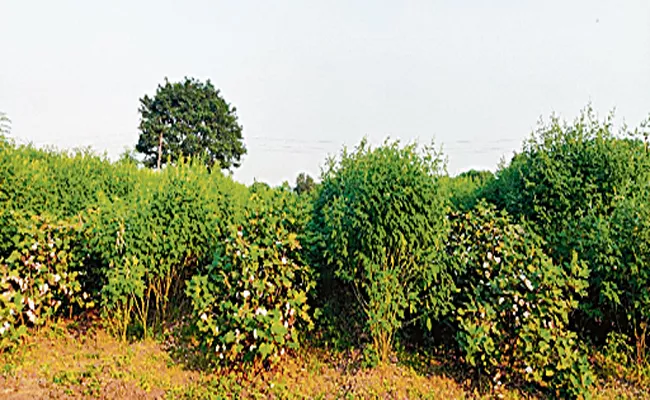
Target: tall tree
{"points": [[189, 118]]}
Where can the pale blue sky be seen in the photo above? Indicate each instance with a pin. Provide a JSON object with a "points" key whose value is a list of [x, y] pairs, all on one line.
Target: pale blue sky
{"points": [[308, 77]]}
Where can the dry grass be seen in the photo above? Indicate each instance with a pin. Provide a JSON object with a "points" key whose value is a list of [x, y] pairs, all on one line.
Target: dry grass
{"points": [[62, 362]]}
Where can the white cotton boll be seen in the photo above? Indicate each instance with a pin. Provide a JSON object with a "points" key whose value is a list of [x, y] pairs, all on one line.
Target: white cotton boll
{"points": [[246, 294], [501, 300], [529, 285], [35, 246], [529, 370], [43, 288], [261, 311], [31, 316], [204, 317], [284, 260], [255, 334]]}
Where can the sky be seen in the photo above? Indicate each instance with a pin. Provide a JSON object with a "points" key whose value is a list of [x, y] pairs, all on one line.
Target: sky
{"points": [[309, 77]]}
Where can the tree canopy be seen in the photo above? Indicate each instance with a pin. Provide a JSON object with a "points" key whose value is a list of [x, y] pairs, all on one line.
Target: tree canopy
{"points": [[189, 119], [304, 183]]}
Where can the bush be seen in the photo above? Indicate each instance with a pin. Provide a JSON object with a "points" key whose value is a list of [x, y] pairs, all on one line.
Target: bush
{"points": [[513, 304], [619, 248], [251, 304], [576, 183], [61, 184], [466, 188], [378, 230], [147, 245], [40, 277]]}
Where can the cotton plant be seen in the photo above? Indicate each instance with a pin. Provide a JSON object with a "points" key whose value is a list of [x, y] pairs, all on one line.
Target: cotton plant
{"points": [[39, 278], [513, 305], [251, 304]]}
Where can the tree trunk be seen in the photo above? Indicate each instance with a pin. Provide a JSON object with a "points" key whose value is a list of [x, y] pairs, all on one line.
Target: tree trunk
{"points": [[160, 149]]}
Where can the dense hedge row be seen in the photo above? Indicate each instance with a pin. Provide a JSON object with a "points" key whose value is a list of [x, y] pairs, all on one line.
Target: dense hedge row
{"points": [[522, 272]]}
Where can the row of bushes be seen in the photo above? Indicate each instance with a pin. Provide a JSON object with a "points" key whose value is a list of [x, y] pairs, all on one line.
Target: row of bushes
{"points": [[519, 271], [78, 231]]}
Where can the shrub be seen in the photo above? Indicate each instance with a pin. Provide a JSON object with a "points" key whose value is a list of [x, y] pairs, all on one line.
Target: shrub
{"points": [[251, 304], [619, 249], [150, 243], [513, 303], [61, 184], [40, 277], [575, 184], [466, 188], [378, 229]]}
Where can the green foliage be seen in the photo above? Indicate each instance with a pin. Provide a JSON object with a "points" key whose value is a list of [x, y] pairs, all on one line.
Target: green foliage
{"points": [[378, 229], [304, 184], [154, 240], [124, 297], [189, 119], [466, 188], [513, 304], [618, 247], [583, 188], [251, 304], [61, 184], [40, 277]]}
